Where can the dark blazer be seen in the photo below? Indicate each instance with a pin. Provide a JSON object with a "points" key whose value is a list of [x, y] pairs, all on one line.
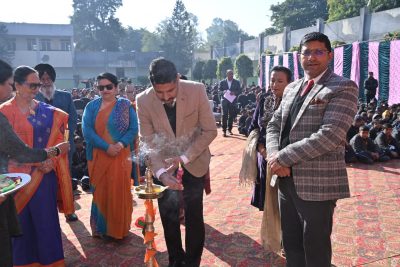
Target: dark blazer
{"points": [[235, 88], [63, 100], [317, 137]]}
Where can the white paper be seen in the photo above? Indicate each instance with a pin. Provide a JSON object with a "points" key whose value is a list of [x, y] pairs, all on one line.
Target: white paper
{"points": [[228, 96]]}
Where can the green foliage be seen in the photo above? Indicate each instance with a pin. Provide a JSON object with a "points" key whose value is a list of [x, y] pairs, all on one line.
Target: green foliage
{"points": [[294, 48], [95, 25], [198, 70], [132, 41], [143, 80], [224, 65], [390, 36], [210, 70], [243, 67], [225, 31], [343, 9], [151, 42], [179, 37], [268, 52], [380, 5], [337, 43], [298, 14], [270, 31], [5, 53]]}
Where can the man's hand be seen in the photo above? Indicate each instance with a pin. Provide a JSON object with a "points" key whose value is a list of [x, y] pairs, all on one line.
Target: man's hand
{"points": [[170, 181], [171, 164], [2, 199], [276, 167]]}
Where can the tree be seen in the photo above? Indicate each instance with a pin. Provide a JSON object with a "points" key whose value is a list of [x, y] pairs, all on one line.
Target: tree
{"points": [[132, 41], [224, 65], [298, 14], [95, 25], [344, 9], [6, 53], [198, 70], [227, 32], [151, 42], [243, 67], [210, 70], [380, 5], [270, 31], [179, 37]]}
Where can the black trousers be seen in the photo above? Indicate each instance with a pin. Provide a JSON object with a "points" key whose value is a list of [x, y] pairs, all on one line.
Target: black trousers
{"points": [[9, 227], [306, 228], [169, 206], [228, 114]]}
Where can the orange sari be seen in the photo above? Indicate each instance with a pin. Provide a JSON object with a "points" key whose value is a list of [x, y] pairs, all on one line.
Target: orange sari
{"points": [[110, 179]]}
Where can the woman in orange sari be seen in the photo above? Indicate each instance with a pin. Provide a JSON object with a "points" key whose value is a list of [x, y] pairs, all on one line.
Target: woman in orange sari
{"points": [[109, 126], [39, 126]]}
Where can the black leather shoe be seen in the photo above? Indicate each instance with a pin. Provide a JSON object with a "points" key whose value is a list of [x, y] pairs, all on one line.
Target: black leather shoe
{"points": [[230, 132], [71, 217], [224, 134]]}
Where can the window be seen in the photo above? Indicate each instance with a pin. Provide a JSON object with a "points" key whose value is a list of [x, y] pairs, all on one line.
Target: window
{"points": [[11, 44], [45, 45], [65, 45], [32, 44]]}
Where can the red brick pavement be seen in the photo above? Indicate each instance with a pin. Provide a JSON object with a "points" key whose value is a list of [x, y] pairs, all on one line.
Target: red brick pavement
{"points": [[365, 232]]}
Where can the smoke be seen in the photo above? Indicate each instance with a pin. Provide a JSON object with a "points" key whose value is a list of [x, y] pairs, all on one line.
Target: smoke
{"points": [[164, 146]]}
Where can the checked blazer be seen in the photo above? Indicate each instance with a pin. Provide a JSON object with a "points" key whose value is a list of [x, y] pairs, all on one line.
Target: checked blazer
{"points": [[316, 150]]}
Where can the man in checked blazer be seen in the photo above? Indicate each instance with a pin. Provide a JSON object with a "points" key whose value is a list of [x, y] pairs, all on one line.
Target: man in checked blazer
{"points": [[305, 145], [174, 109]]}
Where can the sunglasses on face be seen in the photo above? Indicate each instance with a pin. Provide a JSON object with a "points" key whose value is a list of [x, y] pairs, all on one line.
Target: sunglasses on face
{"points": [[108, 87], [316, 52], [33, 86]]}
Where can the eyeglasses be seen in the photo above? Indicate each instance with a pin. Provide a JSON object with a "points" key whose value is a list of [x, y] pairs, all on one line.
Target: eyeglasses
{"points": [[316, 52], [33, 86], [108, 87]]}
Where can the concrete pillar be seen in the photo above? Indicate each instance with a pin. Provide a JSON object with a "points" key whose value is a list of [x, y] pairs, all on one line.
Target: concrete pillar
{"points": [[286, 39], [320, 25], [241, 46], [363, 33], [261, 43]]}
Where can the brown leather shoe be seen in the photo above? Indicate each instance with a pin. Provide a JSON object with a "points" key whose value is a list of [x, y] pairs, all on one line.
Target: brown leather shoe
{"points": [[224, 134]]}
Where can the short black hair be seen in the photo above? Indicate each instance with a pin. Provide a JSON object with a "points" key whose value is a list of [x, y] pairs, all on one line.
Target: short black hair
{"points": [[46, 68], [387, 126], [316, 36], [283, 69], [6, 71], [162, 71], [364, 128], [21, 72], [108, 76]]}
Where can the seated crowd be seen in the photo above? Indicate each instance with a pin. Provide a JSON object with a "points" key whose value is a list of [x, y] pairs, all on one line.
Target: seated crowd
{"points": [[374, 134]]}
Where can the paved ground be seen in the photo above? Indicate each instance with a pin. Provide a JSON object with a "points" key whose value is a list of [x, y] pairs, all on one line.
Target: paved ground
{"points": [[366, 230]]}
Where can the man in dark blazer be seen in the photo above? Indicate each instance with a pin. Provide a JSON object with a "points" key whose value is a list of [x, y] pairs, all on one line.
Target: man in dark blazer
{"points": [[305, 147], [175, 110], [232, 86], [59, 99]]}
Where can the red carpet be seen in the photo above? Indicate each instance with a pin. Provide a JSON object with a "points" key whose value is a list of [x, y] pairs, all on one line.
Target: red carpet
{"points": [[366, 229]]}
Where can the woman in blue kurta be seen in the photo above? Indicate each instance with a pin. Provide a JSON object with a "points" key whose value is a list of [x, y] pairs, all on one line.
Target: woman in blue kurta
{"points": [[110, 127]]}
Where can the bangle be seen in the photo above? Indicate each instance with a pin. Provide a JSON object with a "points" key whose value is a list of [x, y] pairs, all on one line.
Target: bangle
{"points": [[58, 151], [52, 152]]}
